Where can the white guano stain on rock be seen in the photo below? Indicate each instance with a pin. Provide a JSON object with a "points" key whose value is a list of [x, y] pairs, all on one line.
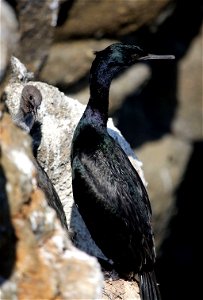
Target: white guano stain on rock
{"points": [[23, 163]]}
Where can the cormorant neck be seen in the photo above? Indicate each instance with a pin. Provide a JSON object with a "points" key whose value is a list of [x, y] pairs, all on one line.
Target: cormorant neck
{"points": [[101, 76]]}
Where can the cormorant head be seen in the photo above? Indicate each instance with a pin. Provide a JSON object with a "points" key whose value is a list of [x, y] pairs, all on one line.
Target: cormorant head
{"points": [[124, 55], [31, 99]]}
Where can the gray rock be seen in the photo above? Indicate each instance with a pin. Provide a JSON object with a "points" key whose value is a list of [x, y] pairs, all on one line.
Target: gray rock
{"points": [[9, 35], [188, 121], [19, 71], [86, 18], [37, 21], [165, 161], [69, 62], [34, 249]]}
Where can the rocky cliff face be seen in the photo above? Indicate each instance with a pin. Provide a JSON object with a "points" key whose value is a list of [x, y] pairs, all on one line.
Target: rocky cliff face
{"points": [[86, 18], [37, 257]]}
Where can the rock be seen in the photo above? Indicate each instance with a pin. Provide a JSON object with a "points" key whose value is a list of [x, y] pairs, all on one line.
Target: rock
{"points": [[42, 256], [8, 37], [37, 21], [166, 159], [119, 288], [19, 71], [164, 176], [69, 62], [188, 121], [86, 18], [69, 59]]}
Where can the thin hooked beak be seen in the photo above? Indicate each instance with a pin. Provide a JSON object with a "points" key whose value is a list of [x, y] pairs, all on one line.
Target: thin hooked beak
{"points": [[154, 56]]}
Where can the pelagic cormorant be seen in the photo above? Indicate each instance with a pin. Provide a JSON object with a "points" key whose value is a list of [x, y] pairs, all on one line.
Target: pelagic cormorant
{"points": [[30, 101], [107, 189]]}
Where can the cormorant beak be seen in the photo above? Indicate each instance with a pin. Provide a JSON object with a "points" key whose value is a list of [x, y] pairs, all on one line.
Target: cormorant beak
{"points": [[154, 56]]}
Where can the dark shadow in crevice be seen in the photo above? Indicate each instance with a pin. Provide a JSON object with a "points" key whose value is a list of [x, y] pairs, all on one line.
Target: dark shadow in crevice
{"points": [[180, 253], [63, 12], [75, 87], [7, 234], [147, 113]]}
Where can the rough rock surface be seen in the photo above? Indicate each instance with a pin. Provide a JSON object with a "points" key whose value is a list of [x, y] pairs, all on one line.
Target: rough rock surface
{"points": [[8, 35], [36, 255], [35, 40], [188, 122], [68, 62], [172, 160], [86, 18]]}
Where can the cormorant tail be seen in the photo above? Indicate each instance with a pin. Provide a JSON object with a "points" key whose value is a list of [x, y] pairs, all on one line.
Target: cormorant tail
{"points": [[149, 289]]}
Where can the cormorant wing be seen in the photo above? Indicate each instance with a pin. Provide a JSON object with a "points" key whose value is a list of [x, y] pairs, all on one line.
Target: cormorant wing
{"points": [[113, 201]]}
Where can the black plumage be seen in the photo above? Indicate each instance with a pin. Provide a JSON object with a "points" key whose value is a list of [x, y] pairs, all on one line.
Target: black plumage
{"points": [[30, 102], [106, 188]]}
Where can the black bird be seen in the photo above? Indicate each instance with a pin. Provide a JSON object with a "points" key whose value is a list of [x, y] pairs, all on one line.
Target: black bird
{"points": [[30, 101], [107, 189]]}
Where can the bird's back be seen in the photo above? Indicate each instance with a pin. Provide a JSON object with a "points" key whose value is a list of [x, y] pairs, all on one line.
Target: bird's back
{"points": [[112, 199]]}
